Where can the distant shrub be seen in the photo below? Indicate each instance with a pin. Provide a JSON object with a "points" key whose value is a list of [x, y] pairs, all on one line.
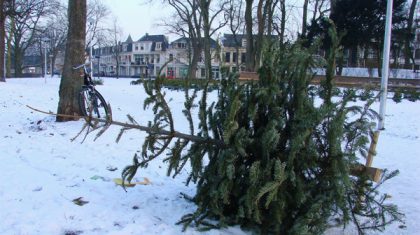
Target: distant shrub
{"points": [[397, 98], [98, 81]]}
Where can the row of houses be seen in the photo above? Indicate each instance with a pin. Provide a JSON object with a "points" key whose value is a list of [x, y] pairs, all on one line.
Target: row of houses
{"points": [[146, 57]]}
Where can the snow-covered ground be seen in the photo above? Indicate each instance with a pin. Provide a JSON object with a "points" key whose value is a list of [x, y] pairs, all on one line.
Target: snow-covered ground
{"points": [[43, 171]]}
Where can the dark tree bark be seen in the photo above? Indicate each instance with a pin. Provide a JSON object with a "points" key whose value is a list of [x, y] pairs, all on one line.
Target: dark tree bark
{"points": [[408, 55], [250, 54], [205, 7], [2, 41], [71, 81], [304, 17], [282, 22]]}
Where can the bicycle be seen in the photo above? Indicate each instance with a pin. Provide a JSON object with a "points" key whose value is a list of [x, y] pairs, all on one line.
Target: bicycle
{"points": [[91, 102]]}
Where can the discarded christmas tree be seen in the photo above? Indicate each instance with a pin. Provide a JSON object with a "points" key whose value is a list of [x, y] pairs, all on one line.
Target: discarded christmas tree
{"points": [[266, 156]]}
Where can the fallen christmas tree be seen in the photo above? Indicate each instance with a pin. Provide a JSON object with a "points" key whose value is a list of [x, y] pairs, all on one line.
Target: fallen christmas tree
{"points": [[266, 157]]}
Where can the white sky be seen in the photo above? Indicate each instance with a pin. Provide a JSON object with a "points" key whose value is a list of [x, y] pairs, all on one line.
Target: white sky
{"points": [[136, 17]]}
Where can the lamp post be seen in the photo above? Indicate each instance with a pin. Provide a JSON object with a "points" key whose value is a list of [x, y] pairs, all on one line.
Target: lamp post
{"points": [[45, 41], [4, 67], [97, 67], [384, 83], [91, 22], [52, 66]]}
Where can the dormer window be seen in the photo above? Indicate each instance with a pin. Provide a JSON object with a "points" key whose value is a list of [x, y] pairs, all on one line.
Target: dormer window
{"points": [[244, 42], [158, 45], [180, 45]]}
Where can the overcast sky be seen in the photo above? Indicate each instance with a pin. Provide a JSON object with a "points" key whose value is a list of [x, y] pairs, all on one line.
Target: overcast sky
{"points": [[137, 18]]}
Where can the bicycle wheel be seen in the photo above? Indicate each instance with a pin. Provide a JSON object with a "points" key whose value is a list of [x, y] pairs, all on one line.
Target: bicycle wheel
{"points": [[92, 104]]}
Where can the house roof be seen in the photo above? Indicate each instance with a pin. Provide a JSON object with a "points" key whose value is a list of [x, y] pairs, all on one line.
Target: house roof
{"points": [[152, 38], [129, 39], [229, 40], [213, 43], [155, 39]]}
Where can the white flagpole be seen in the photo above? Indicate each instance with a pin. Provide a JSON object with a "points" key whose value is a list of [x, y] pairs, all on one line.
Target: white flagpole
{"points": [[385, 65], [384, 85]]}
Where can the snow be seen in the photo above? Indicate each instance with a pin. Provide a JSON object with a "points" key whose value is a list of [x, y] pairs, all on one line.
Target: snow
{"points": [[43, 170]]}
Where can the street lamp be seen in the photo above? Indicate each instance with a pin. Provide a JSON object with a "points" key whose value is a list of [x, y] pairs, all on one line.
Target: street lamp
{"points": [[91, 22], [52, 65], [3, 78], [45, 41]]}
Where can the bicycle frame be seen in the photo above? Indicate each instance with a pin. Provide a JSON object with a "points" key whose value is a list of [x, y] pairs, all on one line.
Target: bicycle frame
{"points": [[86, 76], [88, 83]]}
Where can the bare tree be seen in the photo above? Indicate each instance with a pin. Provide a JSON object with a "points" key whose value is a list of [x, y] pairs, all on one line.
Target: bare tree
{"points": [[304, 17], [26, 28], [209, 15], [187, 23], [2, 41], [250, 59], [96, 30], [409, 34], [234, 16], [116, 45], [71, 81]]}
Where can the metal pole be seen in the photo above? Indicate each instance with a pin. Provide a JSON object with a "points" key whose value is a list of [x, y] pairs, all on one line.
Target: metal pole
{"points": [[385, 65], [91, 62], [45, 62], [384, 84], [4, 67]]}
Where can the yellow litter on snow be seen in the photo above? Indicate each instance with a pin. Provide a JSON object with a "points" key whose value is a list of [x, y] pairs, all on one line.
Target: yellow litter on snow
{"points": [[119, 181]]}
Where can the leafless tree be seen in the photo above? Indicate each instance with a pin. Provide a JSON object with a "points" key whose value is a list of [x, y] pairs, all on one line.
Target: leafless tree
{"points": [[409, 35], [250, 58], [26, 29], [235, 20], [2, 39], [116, 33], [71, 81], [210, 15], [97, 32], [198, 21], [187, 23], [53, 33]]}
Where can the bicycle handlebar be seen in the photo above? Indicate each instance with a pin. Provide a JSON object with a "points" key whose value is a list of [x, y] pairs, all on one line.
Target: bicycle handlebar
{"points": [[79, 66]]}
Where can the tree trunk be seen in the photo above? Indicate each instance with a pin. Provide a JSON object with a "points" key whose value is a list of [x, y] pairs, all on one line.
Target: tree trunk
{"points": [[2, 41], [71, 81], [9, 48], [205, 12], [408, 55], [250, 54], [17, 59], [282, 23], [305, 17], [262, 10]]}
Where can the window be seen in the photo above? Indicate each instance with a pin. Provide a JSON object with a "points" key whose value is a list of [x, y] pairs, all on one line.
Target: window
{"points": [[183, 72], [171, 56], [244, 42], [215, 72], [203, 73], [234, 57], [137, 48], [158, 45], [417, 54], [227, 57], [180, 45], [243, 57]]}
